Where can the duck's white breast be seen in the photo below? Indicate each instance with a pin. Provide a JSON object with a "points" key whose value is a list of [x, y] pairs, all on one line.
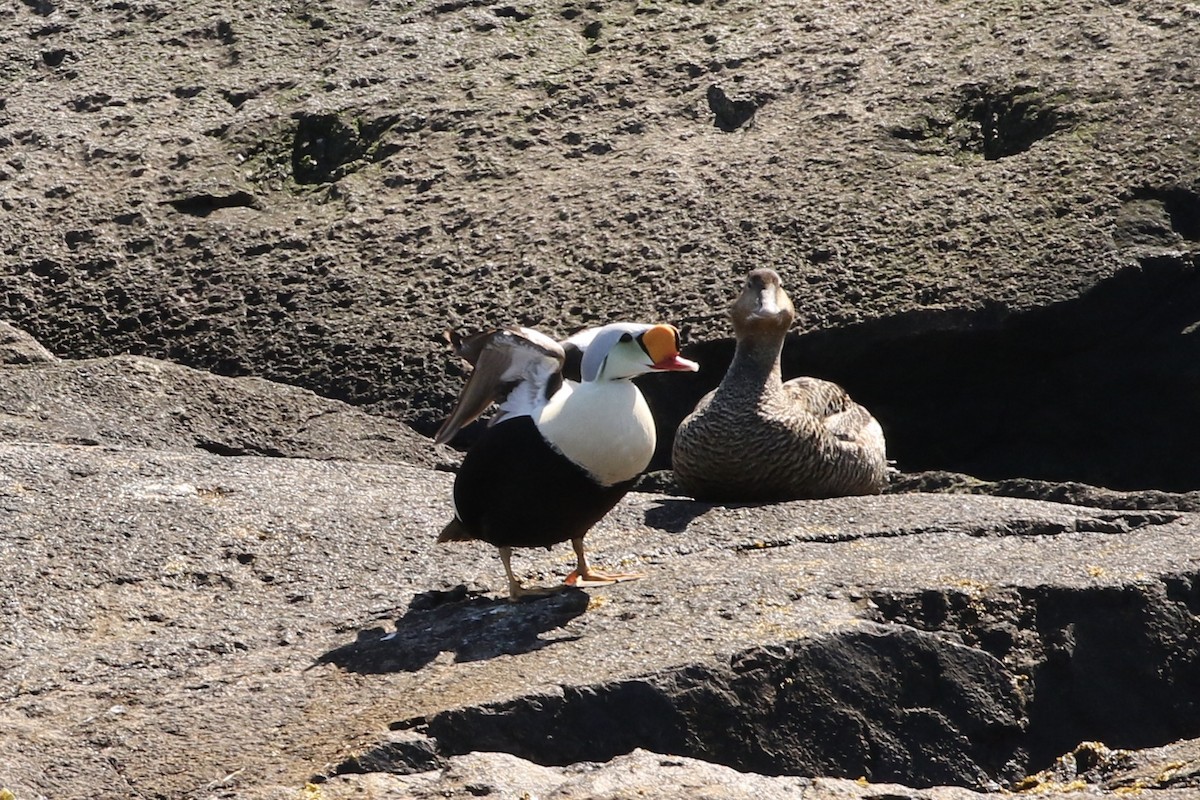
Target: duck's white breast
{"points": [[603, 426]]}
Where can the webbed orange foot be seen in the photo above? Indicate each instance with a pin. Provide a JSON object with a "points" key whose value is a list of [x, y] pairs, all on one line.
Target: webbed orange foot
{"points": [[595, 577]]}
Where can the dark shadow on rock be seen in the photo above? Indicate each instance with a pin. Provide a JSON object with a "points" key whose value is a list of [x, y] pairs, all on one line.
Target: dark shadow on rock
{"points": [[674, 516], [470, 625], [730, 113]]}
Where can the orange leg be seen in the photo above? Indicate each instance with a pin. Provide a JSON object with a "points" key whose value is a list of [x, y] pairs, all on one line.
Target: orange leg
{"points": [[515, 590], [583, 575]]}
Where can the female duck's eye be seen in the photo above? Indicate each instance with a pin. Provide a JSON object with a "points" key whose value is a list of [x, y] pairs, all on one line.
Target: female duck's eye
{"points": [[626, 337]]}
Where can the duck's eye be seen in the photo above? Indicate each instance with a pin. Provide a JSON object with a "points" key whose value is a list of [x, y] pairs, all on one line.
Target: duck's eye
{"points": [[626, 337]]}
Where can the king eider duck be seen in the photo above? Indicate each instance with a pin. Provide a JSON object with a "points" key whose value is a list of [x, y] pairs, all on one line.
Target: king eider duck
{"points": [[557, 455], [756, 438]]}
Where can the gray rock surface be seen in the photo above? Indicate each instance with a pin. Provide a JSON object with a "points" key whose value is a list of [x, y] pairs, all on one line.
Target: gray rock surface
{"points": [[639, 774], [1072, 492], [142, 402], [188, 625], [18, 347], [1158, 774], [989, 217]]}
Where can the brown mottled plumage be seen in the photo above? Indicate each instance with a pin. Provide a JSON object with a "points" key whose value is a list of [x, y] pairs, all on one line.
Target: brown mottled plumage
{"points": [[758, 438]]}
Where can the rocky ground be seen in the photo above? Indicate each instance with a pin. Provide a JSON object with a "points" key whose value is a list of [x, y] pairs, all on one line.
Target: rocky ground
{"points": [[184, 620], [237, 232]]}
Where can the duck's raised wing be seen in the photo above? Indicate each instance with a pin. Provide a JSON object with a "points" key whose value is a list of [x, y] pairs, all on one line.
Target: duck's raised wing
{"points": [[519, 368]]}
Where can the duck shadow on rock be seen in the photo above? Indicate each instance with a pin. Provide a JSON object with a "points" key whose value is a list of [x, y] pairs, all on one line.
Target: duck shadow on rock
{"points": [[673, 515], [468, 624]]}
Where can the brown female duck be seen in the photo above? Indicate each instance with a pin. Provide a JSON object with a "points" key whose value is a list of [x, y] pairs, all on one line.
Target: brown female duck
{"points": [[757, 438]]}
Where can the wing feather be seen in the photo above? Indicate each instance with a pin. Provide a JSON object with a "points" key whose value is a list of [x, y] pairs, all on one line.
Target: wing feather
{"points": [[516, 367]]}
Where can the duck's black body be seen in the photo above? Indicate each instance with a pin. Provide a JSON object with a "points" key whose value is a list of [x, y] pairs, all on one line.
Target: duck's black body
{"points": [[515, 490]]}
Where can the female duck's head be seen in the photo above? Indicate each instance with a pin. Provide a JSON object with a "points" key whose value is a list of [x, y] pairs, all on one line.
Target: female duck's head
{"points": [[763, 307]]}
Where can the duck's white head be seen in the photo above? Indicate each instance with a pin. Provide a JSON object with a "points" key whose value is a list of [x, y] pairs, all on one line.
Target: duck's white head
{"points": [[625, 350], [763, 306]]}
